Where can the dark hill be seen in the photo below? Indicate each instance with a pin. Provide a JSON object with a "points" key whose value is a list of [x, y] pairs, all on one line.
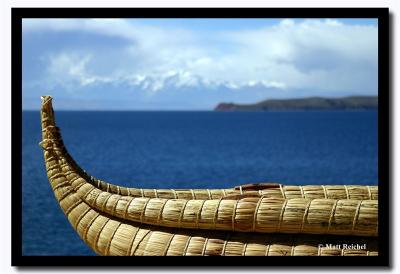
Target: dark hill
{"points": [[311, 103]]}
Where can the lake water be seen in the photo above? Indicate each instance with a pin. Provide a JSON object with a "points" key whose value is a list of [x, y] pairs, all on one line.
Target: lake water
{"points": [[192, 150]]}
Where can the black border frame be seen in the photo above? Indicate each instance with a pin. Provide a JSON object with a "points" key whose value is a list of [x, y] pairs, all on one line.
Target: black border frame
{"points": [[382, 14]]}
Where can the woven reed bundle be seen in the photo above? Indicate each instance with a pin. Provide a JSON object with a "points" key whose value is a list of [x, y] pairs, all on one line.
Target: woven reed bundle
{"points": [[253, 214], [109, 235], [353, 192], [239, 213]]}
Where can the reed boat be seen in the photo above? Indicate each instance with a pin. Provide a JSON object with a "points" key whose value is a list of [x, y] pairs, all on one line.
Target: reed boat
{"points": [[263, 219]]}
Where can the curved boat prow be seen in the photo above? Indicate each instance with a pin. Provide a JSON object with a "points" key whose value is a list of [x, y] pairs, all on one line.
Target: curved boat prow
{"points": [[248, 220], [354, 192]]}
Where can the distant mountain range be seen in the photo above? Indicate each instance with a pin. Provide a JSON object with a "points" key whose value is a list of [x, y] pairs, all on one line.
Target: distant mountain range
{"points": [[311, 103]]}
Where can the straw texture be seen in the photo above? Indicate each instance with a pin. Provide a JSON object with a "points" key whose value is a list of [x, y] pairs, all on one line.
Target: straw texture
{"points": [[109, 223], [353, 192], [273, 190], [238, 213], [255, 214]]}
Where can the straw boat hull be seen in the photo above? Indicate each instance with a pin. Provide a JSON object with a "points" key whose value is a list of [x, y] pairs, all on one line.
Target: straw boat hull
{"points": [[114, 220]]}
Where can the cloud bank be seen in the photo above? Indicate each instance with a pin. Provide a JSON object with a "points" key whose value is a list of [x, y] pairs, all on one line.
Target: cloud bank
{"points": [[149, 66]]}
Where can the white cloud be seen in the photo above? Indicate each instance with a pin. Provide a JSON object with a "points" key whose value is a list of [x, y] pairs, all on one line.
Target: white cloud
{"points": [[325, 55], [69, 70], [307, 54]]}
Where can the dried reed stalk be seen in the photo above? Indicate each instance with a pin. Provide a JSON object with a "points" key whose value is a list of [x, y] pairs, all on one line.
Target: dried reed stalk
{"points": [[104, 219], [352, 192], [110, 235], [246, 214]]}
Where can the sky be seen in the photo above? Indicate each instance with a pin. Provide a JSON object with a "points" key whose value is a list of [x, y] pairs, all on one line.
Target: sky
{"points": [[194, 64]]}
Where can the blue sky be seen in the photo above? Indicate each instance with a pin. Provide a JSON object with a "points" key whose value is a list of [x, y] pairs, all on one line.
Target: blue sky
{"points": [[193, 64]]}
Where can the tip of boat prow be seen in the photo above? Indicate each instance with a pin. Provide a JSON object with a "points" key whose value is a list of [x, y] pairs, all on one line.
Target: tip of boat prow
{"points": [[46, 98]]}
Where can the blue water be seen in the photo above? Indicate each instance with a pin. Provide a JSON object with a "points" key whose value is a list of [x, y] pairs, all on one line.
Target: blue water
{"points": [[192, 150]]}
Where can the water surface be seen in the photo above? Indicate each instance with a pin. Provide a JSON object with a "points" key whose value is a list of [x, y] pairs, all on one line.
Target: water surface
{"points": [[192, 150]]}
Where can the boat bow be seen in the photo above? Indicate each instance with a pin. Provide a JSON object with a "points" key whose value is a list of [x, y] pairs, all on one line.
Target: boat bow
{"points": [[126, 221]]}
